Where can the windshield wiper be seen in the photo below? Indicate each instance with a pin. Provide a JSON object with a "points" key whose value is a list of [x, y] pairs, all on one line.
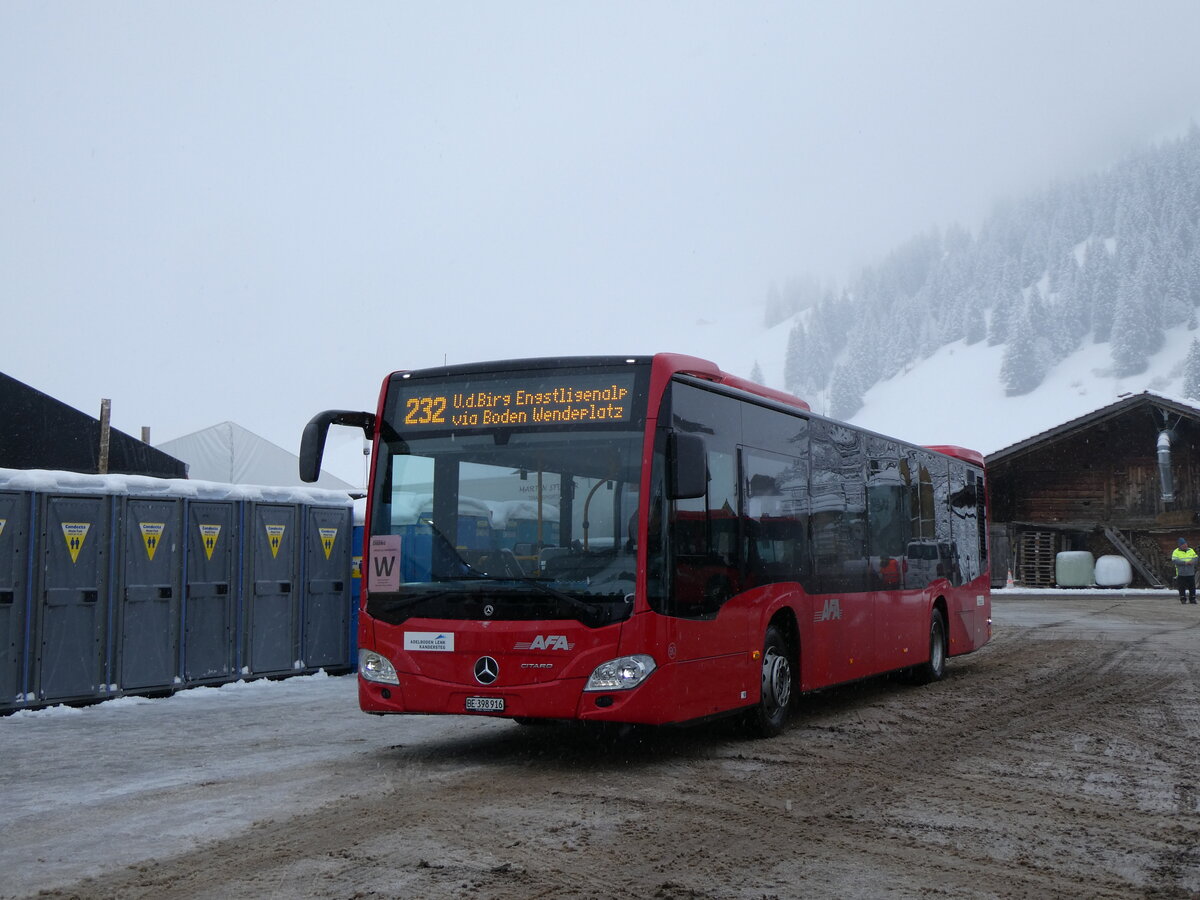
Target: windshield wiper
{"points": [[587, 611], [589, 614], [448, 546]]}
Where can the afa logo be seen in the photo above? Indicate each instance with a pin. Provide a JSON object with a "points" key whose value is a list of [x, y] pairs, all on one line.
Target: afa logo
{"points": [[831, 610], [545, 642]]}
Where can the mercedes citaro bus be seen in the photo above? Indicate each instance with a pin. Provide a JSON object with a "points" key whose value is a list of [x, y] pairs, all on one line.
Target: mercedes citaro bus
{"points": [[648, 540]]}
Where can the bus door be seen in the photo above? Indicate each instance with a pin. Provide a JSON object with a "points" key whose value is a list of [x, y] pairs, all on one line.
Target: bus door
{"points": [[708, 628]]}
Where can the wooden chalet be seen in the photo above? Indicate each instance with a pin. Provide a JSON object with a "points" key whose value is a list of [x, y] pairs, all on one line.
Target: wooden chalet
{"points": [[1124, 479]]}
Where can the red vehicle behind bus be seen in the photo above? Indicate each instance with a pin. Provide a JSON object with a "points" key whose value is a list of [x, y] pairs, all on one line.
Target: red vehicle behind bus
{"points": [[648, 540]]}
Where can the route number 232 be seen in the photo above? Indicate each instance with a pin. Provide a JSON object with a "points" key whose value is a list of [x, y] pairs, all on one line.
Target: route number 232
{"points": [[425, 410]]}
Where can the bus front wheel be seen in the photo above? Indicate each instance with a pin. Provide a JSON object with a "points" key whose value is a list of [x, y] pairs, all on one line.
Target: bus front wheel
{"points": [[770, 715]]}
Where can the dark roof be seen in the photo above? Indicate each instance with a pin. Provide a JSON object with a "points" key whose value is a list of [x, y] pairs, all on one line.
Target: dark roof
{"points": [[1147, 399], [39, 432]]}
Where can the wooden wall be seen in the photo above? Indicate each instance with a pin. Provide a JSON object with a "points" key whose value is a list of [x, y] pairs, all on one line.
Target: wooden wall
{"points": [[1107, 475], [1074, 486]]}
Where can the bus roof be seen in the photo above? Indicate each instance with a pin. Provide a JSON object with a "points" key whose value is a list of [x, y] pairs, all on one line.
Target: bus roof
{"points": [[710, 371], [971, 456]]}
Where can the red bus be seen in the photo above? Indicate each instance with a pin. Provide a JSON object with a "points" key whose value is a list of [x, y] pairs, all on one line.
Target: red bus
{"points": [[648, 540]]}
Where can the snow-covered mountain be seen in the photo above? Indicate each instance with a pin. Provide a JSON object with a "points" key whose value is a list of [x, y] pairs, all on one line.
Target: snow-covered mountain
{"points": [[1112, 258], [1062, 303], [956, 396]]}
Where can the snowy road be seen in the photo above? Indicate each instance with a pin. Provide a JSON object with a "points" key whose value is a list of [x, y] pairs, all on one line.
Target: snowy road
{"points": [[1059, 760]]}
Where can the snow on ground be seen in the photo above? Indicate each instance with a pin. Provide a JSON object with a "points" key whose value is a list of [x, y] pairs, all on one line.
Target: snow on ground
{"points": [[123, 769], [134, 779]]}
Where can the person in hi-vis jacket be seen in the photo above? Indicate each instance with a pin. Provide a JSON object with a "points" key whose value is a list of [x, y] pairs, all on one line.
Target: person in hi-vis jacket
{"points": [[1184, 558]]}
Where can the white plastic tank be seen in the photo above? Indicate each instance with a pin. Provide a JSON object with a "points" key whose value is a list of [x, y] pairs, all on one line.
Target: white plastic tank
{"points": [[1074, 568], [1113, 571]]}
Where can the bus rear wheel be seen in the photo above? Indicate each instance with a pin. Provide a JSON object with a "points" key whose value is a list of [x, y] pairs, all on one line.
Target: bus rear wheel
{"points": [[935, 668], [768, 718]]}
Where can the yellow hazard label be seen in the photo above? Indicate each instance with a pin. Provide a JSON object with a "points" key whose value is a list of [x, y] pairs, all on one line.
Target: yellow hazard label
{"points": [[209, 535], [328, 536], [275, 538], [356, 567], [2, 523], [151, 535], [75, 533]]}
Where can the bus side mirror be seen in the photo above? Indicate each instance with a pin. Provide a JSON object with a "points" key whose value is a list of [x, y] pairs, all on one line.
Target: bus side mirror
{"points": [[688, 467], [312, 442]]}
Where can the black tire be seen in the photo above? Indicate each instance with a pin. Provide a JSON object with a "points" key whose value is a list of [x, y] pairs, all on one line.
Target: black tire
{"points": [[770, 715], [934, 669]]}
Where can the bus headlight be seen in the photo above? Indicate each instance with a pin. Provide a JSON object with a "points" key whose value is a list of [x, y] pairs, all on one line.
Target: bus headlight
{"points": [[373, 667], [621, 674]]}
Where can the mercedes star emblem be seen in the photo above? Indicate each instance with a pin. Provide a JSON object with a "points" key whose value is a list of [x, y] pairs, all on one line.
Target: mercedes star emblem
{"points": [[489, 609], [487, 670]]}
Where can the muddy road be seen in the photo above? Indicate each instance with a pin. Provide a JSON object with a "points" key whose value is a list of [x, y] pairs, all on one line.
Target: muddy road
{"points": [[1059, 761]]}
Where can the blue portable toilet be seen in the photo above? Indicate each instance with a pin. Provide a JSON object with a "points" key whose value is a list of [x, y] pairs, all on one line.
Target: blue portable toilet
{"points": [[212, 581], [326, 598], [270, 610], [149, 595], [73, 598]]}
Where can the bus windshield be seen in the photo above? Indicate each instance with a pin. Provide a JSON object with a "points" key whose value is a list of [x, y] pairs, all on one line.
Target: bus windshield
{"points": [[507, 508]]}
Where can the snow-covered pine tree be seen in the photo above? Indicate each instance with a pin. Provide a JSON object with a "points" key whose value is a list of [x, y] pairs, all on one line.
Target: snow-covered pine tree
{"points": [[976, 323], [1177, 303], [821, 347], [1033, 260], [1103, 280], [1191, 371], [1005, 311], [1131, 338], [845, 391], [756, 374], [1193, 270], [1022, 368], [793, 361], [1148, 281], [1072, 317]]}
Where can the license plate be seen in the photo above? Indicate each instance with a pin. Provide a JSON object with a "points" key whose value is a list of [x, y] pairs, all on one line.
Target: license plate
{"points": [[485, 704]]}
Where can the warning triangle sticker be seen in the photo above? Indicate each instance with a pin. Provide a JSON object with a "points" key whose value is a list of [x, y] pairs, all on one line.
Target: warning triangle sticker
{"points": [[75, 533], [328, 536], [275, 537], [2, 522], [209, 535], [151, 535]]}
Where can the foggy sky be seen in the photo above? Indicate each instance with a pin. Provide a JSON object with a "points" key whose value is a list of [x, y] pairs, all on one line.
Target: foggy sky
{"points": [[252, 212]]}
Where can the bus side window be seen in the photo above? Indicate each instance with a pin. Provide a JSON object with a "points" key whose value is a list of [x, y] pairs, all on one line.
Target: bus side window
{"points": [[775, 513], [839, 520], [888, 518]]}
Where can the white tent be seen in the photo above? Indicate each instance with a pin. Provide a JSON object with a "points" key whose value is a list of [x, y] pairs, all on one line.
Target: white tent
{"points": [[229, 453]]}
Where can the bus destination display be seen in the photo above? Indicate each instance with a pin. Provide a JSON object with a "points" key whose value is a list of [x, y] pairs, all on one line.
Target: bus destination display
{"points": [[569, 399]]}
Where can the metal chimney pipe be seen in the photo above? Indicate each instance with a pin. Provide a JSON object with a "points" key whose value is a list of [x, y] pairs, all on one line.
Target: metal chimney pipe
{"points": [[1164, 466]]}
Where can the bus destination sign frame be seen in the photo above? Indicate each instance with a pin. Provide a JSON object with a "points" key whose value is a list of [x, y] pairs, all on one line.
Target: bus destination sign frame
{"points": [[534, 400]]}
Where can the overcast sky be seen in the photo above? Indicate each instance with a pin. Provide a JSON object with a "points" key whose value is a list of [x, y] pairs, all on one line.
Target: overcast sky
{"points": [[253, 211]]}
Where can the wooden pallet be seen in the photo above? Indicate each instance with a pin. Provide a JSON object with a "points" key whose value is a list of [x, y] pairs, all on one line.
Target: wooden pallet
{"points": [[1036, 552]]}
